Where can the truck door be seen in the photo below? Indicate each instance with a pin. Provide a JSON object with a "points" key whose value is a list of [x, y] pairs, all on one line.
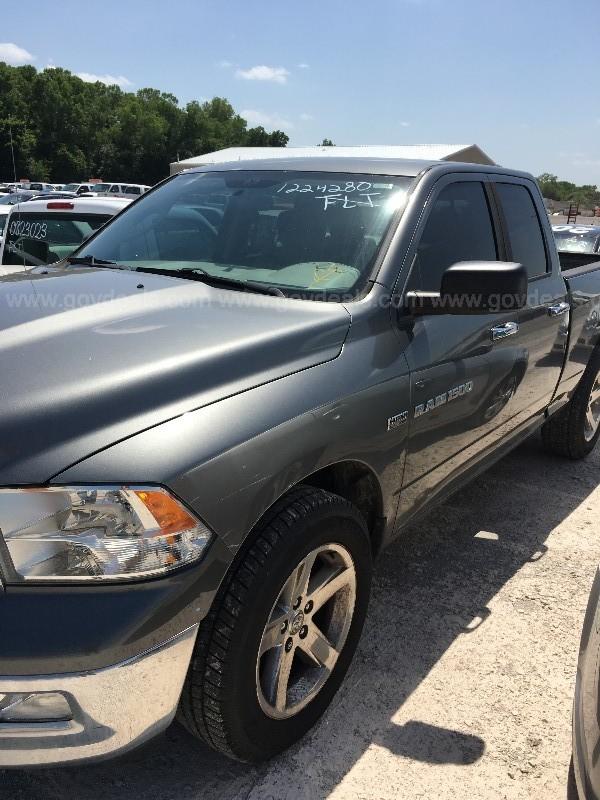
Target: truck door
{"points": [[544, 323], [465, 370]]}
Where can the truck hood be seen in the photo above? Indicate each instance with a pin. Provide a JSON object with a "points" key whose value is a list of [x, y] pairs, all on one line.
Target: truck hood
{"points": [[92, 356]]}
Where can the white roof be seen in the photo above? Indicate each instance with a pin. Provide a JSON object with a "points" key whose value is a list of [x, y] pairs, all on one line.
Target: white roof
{"points": [[428, 152], [78, 205]]}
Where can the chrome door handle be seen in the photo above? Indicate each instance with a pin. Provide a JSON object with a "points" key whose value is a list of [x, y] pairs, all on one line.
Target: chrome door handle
{"points": [[558, 309], [504, 330]]}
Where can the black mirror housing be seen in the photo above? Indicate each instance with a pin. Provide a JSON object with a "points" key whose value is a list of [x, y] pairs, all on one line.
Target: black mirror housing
{"points": [[475, 287]]}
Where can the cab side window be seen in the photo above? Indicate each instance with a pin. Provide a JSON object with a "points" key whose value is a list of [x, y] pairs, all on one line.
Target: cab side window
{"points": [[459, 228], [524, 229]]}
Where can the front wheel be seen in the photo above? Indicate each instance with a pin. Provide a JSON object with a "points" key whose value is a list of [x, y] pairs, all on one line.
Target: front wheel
{"points": [[283, 629]]}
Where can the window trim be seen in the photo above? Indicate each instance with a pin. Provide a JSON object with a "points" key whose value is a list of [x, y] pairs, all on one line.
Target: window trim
{"points": [[446, 180], [514, 181]]}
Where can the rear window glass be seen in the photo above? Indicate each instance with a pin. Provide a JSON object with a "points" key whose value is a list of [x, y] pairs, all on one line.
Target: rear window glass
{"points": [[37, 239], [524, 230]]}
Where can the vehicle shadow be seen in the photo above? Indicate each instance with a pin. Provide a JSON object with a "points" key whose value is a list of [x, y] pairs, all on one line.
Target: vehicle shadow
{"points": [[431, 587]]}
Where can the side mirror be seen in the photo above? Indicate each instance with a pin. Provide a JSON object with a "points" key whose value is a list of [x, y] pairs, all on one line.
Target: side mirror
{"points": [[474, 287]]}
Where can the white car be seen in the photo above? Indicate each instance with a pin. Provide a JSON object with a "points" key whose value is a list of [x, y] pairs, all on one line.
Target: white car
{"points": [[119, 189], [38, 186], [41, 232], [4, 209], [77, 188]]}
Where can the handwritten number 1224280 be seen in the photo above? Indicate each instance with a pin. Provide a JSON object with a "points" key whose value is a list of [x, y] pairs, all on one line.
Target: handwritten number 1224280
{"points": [[349, 194]]}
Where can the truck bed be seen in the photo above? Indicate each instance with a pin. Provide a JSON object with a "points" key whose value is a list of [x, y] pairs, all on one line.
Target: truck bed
{"points": [[581, 272], [570, 261]]}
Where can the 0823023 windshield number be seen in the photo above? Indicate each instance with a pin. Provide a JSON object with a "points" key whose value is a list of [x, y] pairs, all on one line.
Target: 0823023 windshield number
{"points": [[31, 230]]}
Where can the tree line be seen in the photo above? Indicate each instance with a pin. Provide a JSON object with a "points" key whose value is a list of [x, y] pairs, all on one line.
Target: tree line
{"points": [[587, 195], [64, 129]]}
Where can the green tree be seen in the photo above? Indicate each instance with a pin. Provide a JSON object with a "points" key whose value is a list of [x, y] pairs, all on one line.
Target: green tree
{"points": [[65, 129], [565, 191]]}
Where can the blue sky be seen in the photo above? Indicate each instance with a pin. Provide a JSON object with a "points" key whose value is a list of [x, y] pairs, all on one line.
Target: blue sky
{"points": [[518, 77]]}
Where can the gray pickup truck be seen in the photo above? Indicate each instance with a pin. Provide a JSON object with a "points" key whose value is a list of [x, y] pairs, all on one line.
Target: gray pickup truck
{"points": [[227, 402]]}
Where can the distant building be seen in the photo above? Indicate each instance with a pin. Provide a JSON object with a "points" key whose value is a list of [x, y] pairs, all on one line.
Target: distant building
{"points": [[470, 153]]}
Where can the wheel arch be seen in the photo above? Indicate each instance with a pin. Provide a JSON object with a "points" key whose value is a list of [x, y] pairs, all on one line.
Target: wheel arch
{"points": [[358, 483]]}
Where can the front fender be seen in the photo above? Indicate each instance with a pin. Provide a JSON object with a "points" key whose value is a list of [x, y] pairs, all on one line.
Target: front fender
{"points": [[232, 460]]}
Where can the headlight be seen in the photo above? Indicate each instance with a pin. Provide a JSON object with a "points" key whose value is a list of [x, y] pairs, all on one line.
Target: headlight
{"points": [[90, 533]]}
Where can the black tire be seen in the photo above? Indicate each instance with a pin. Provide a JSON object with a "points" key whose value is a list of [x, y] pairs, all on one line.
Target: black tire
{"points": [[220, 701], [564, 433], [572, 792]]}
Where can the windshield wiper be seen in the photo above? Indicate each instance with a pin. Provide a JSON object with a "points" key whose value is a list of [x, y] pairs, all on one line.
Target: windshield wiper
{"points": [[92, 261], [199, 274]]}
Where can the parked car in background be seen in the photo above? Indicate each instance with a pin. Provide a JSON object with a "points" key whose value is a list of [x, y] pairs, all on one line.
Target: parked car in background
{"points": [[14, 197], [577, 238], [119, 189], [77, 188], [55, 196], [36, 186], [40, 232], [4, 209], [577, 244]]}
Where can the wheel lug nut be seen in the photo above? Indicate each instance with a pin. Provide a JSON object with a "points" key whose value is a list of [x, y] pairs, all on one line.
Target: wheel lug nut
{"points": [[297, 603], [284, 625], [303, 631], [308, 607], [288, 645]]}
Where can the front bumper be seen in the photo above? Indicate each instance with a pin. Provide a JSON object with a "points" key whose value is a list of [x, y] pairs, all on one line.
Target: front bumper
{"points": [[113, 709]]}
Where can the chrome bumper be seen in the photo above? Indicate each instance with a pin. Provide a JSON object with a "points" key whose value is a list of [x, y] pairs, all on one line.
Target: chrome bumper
{"points": [[113, 709]]}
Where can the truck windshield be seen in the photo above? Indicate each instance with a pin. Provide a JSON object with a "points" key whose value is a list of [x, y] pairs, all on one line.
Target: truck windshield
{"points": [[302, 232], [43, 238]]}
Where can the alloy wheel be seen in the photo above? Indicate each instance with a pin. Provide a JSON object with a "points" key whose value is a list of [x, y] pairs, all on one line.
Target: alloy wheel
{"points": [[306, 631]]}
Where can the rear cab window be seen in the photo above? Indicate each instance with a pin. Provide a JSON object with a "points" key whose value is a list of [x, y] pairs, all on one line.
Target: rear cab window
{"points": [[523, 228]]}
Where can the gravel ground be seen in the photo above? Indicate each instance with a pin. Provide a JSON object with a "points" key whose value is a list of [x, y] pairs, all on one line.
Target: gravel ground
{"points": [[463, 681]]}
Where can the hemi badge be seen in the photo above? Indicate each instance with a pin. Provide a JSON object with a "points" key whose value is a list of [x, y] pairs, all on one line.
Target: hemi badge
{"points": [[397, 420]]}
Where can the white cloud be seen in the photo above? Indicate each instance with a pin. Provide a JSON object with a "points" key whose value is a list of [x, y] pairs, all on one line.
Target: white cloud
{"points": [[109, 80], [404, 124], [15, 55], [264, 73], [255, 117], [306, 117], [224, 64], [303, 66]]}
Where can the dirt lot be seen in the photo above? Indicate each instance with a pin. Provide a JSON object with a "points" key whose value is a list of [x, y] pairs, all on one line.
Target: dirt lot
{"points": [[463, 681]]}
